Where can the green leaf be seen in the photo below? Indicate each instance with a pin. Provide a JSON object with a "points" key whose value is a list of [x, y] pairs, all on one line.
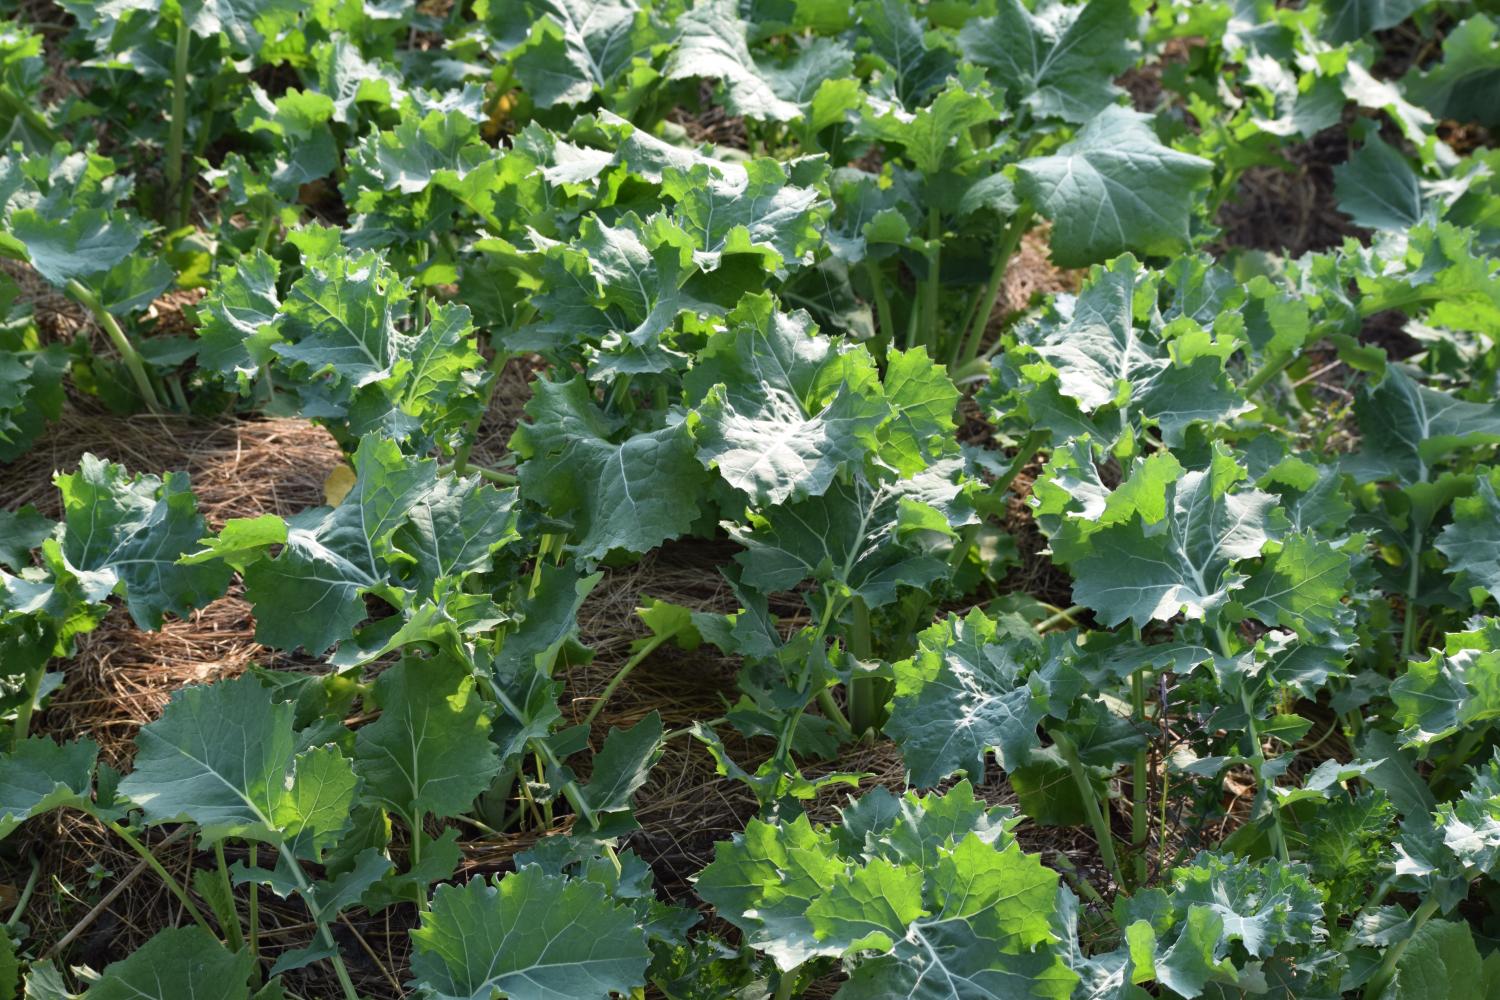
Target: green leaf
{"points": [[84, 242], [622, 766], [1441, 960], [633, 495], [868, 537], [1470, 825], [915, 66], [1351, 20], [21, 531], [787, 412], [1193, 959], [1262, 905], [40, 775], [1471, 544], [239, 318], [1465, 84], [1405, 427], [224, 757], [1113, 188], [129, 533], [757, 210], [765, 879], [712, 43], [429, 753], [529, 936], [578, 48], [935, 134], [1378, 189], [1148, 569], [1059, 62], [1301, 586], [341, 316], [961, 697], [176, 963]]}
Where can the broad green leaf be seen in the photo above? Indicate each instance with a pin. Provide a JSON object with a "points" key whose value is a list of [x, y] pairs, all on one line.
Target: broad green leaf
{"points": [[1465, 85], [341, 317], [1059, 62], [1262, 904], [622, 766], [1453, 688], [1148, 569], [239, 318], [759, 209], [867, 537], [1351, 20], [129, 533], [712, 43], [1378, 189], [935, 135], [961, 697], [1470, 825], [790, 409], [578, 48], [40, 775], [1193, 959], [1113, 188], [176, 963], [84, 242], [1471, 543], [527, 936], [1406, 427], [1440, 960], [224, 757], [914, 66], [1301, 586], [429, 753], [630, 495]]}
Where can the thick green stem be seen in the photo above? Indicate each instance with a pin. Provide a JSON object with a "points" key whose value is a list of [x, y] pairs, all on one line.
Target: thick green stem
{"points": [[1140, 798], [17, 106], [1262, 805], [26, 893], [882, 309], [966, 348], [786, 984], [934, 278], [1413, 576], [304, 889], [1065, 615], [128, 354], [1274, 366], [178, 125], [1375, 988], [27, 707], [1091, 806], [252, 914], [173, 886], [639, 655], [232, 921], [862, 707]]}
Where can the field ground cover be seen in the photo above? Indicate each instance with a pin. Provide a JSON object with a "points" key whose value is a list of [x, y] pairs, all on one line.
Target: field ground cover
{"points": [[582, 498]]}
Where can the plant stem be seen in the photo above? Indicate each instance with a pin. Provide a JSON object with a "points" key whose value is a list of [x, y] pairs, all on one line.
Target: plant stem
{"points": [[1413, 577], [934, 277], [862, 707], [305, 891], [26, 891], [232, 928], [1066, 615], [27, 707], [178, 124], [1262, 805], [966, 348], [1375, 988], [416, 859], [23, 108], [1091, 806], [1457, 757], [1274, 366], [1140, 799], [461, 457], [253, 914], [646, 650], [882, 309], [128, 354], [174, 886]]}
